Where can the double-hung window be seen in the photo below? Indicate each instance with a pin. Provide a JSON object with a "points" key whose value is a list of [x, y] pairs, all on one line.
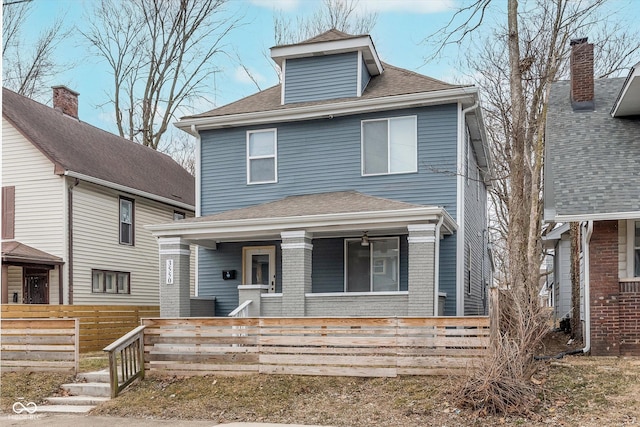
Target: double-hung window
{"points": [[636, 249], [389, 146], [126, 221], [262, 156], [373, 267], [110, 282]]}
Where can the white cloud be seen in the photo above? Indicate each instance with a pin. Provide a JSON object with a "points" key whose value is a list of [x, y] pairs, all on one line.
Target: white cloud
{"points": [[284, 5], [411, 6], [241, 76]]}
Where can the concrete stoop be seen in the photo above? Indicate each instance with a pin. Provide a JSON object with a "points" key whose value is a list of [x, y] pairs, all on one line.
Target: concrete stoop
{"points": [[89, 390]]}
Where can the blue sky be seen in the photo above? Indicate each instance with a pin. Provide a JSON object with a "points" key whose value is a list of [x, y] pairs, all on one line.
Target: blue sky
{"points": [[401, 27]]}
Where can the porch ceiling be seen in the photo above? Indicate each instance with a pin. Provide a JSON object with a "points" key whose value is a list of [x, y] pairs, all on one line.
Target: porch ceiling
{"points": [[339, 214]]}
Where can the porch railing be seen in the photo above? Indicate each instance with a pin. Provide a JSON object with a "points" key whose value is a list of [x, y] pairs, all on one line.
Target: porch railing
{"points": [[242, 310], [126, 360]]}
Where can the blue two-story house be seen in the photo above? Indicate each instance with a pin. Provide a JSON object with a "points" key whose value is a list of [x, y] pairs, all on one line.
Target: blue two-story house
{"points": [[353, 188]]}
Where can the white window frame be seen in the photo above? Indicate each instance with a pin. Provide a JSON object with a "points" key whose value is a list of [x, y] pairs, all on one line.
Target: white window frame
{"points": [[273, 156], [631, 247], [371, 269], [388, 120]]}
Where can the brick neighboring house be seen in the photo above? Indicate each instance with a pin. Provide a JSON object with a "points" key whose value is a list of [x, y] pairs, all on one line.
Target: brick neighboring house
{"points": [[75, 200], [354, 188], [592, 176]]}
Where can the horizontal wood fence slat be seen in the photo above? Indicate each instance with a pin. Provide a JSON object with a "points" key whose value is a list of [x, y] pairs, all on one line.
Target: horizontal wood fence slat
{"points": [[39, 345], [374, 347], [100, 325]]}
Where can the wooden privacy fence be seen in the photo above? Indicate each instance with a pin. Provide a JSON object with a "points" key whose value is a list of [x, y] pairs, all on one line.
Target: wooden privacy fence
{"points": [[372, 347], [39, 345], [100, 325]]}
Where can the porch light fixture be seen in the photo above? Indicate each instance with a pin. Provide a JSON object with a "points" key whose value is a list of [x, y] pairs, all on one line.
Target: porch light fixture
{"points": [[365, 239]]}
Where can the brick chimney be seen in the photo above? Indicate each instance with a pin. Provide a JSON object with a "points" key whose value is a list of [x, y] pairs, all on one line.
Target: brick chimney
{"points": [[581, 64], [65, 100]]}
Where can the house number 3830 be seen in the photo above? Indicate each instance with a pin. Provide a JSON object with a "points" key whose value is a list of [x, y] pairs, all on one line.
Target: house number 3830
{"points": [[169, 272]]}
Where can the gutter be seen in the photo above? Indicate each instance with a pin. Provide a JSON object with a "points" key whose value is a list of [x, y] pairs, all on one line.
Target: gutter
{"points": [[587, 291], [129, 190]]}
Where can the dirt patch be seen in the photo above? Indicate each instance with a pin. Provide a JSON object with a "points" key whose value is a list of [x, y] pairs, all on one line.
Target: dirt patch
{"points": [[29, 387], [557, 343]]}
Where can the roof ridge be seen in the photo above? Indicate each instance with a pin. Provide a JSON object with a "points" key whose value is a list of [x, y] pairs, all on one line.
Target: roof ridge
{"points": [[404, 70]]}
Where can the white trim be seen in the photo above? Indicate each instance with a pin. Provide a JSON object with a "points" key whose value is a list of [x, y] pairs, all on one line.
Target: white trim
{"points": [[175, 252], [359, 80], [273, 156], [631, 242], [595, 217], [355, 294], [334, 109], [361, 44], [421, 239], [271, 295], [129, 190], [388, 120], [282, 78], [251, 287], [196, 279], [421, 227], [460, 184], [300, 245], [171, 241], [296, 234], [194, 131]]}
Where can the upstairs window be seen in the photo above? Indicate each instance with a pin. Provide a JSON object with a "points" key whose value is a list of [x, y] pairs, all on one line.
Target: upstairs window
{"points": [[177, 215], [126, 221], [262, 164], [389, 146]]}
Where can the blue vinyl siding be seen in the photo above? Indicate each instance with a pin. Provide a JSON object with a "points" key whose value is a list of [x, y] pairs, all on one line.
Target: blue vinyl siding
{"points": [[365, 76], [320, 78], [448, 273], [324, 155], [228, 256], [328, 265]]}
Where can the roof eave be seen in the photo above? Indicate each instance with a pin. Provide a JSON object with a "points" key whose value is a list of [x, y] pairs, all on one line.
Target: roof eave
{"points": [[626, 103], [466, 95], [604, 216]]}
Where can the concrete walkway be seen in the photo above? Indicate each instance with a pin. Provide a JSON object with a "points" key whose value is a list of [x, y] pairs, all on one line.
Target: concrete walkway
{"points": [[66, 420]]}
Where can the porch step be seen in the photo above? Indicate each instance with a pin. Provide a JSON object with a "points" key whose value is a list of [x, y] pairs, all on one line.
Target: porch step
{"points": [[94, 389], [95, 377], [77, 400], [65, 409]]}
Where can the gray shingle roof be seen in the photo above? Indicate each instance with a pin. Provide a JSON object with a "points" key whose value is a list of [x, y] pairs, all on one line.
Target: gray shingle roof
{"points": [[592, 159], [79, 147], [393, 81], [327, 36], [311, 204]]}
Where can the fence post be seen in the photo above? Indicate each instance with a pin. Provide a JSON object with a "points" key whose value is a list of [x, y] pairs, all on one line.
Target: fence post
{"points": [[494, 315], [77, 345]]}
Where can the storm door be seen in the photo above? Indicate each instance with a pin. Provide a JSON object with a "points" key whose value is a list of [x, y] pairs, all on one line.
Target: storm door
{"points": [[36, 286], [259, 266]]}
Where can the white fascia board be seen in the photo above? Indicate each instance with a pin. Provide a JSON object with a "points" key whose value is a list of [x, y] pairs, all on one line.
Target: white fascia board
{"points": [[634, 73], [364, 43], [343, 108], [129, 190], [328, 222], [556, 233], [597, 217]]}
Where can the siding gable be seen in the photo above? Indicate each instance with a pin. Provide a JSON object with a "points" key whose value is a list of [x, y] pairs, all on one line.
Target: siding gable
{"points": [[320, 78]]}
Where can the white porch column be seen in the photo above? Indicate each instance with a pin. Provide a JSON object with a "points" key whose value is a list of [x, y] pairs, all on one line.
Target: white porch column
{"points": [[175, 298], [422, 243], [296, 271]]}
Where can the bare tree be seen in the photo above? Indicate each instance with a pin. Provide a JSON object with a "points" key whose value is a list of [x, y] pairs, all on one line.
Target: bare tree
{"points": [[516, 65], [28, 68], [342, 15], [162, 55]]}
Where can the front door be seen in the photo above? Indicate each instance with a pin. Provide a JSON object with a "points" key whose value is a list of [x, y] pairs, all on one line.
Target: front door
{"points": [[259, 266], [36, 286]]}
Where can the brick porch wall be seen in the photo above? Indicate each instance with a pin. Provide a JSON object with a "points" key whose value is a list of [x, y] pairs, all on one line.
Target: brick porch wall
{"points": [[605, 289], [630, 318]]}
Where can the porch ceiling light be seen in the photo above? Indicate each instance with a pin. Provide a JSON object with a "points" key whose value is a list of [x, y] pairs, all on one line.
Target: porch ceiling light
{"points": [[365, 239]]}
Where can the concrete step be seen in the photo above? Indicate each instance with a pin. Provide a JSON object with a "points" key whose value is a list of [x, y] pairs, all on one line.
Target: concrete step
{"points": [[101, 376], [76, 400], [88, 389], [65, 409]]}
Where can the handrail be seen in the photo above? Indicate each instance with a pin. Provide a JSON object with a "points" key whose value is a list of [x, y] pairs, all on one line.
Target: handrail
{"points": [[242, 310], [129, 350]]}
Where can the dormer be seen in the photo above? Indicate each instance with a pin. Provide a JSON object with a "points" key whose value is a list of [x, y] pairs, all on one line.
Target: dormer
{"points": [[329, 66]]}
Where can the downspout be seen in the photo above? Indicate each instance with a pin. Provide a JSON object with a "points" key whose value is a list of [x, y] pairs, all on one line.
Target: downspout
{"points": [[70, 238], [587, 291], [196, 279], [436, 268]]}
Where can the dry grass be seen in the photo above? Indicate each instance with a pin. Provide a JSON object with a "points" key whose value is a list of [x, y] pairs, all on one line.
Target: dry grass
{"points": [[29, 387]]}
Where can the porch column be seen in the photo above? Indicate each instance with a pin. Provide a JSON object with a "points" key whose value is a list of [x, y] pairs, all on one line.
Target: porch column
{"points": [[174, 277], [422, 243], [296, 271]]}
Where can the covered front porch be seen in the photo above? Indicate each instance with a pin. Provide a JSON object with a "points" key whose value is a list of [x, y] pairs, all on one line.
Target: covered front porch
{"points": [[330, 254]]}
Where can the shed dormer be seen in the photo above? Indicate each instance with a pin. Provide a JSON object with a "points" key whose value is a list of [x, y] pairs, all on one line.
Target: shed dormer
{"points": [[329, 66]]}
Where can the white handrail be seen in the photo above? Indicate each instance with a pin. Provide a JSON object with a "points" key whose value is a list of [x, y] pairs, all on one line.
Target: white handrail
{"points": [[242, 310]]}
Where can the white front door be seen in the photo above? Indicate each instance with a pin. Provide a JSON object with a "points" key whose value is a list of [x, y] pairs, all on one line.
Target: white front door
{"points": [[259, 266]]}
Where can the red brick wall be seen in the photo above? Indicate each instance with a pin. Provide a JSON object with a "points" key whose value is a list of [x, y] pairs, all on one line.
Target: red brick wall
{"points": [[630, 318], [605, 289]]}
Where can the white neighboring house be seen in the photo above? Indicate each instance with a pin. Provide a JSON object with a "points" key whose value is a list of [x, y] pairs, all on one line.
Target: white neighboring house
{"points": [[75, 200]]}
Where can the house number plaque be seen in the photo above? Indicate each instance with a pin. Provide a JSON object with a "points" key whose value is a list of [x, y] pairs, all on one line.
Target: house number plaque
{"points": [[169, 272]]}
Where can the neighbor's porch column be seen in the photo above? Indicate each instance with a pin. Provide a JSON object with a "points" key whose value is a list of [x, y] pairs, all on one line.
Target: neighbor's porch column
{"points": [[296, 271], [174, 277], [422, 243]]}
